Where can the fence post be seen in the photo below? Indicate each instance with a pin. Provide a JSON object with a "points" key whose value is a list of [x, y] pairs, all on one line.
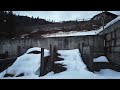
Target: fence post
{"points": [[50, 49], [55, 53], [82, 47], [42, 62], [18, 50], [51, 53], [49, 63], [79, 47]]}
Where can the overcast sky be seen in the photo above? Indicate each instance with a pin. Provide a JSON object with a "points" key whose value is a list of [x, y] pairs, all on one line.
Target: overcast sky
{"points": [[62, 15]]}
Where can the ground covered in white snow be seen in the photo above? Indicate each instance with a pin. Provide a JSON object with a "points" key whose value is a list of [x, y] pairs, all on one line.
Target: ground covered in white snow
{"points": [[100, 59], [76, 69]]}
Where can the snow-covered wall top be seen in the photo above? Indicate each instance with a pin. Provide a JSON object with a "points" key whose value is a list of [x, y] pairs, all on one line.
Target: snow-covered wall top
{"points": [[111, 26]]}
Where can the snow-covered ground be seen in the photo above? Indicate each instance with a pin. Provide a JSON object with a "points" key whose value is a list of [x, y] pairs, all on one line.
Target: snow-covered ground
{"points": [[76, 69], [100, 59], [71, 33], [81, 33], [111, 74], [27, 63]]}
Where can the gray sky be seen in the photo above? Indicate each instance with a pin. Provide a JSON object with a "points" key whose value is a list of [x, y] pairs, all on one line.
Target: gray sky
{"points": [[62, 15]]}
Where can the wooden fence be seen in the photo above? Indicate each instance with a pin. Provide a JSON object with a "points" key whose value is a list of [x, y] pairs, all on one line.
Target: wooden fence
{"points": [[47, 63]]}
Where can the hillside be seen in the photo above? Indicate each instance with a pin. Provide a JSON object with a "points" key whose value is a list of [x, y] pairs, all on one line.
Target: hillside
{"points": [[15, 26], [11, 24], [70, 27]]}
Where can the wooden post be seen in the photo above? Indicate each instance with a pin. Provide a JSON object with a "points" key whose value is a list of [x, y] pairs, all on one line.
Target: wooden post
{"points": [[105, 48], [50, 49], [49, 63], [103, 19], [51, 52], [79, 48], [82, 47], [42, 62], [55, 53], [18, 51], [76, 24]]}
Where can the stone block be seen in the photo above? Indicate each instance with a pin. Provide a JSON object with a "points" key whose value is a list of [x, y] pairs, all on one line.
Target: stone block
{"points": [[117, 49], [113, 35], [118, 41], [113, 42], [118, 33], [108, 37]]}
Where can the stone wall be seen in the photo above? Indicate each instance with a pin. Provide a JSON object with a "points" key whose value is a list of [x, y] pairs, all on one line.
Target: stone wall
{"points": [[113, 46], [112, 42], [65, 43]]}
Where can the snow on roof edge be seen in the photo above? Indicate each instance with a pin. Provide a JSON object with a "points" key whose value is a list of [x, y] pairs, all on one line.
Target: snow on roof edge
{"points": [[109, 24]]}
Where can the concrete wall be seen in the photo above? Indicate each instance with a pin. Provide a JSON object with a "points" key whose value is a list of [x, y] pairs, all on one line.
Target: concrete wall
{"points": [[112, 39], [61, 42], [113, 45]]}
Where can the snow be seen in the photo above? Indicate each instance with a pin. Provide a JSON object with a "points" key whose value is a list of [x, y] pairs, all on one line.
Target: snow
{"points": [[35, 31], [81, 33], [76, 69], [24, 35], [38, 49], [71, 33], [72, 59], [110, 23], [108, 73], [100, 59], [27, 63]]}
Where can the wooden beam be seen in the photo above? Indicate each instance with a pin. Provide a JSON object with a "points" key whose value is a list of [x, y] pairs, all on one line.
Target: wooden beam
{"points": [[42, 62]]}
